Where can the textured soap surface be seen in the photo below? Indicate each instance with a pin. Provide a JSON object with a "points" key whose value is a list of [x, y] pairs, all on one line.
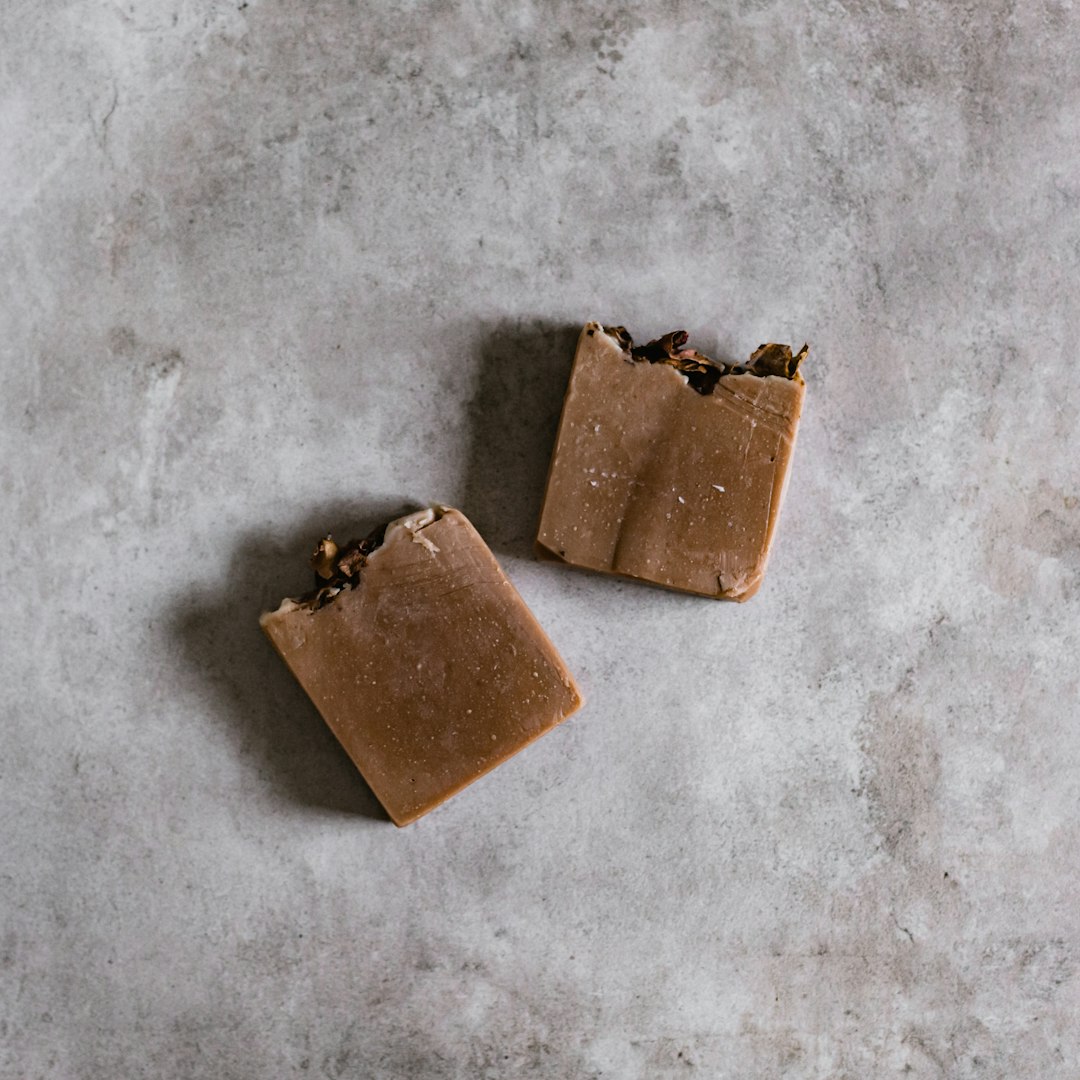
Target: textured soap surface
{"points": [[652, 479], [428, 666]]}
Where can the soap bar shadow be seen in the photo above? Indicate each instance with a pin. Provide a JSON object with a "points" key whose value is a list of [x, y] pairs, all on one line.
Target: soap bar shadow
{"points": [[272, 721], [524, 367]]}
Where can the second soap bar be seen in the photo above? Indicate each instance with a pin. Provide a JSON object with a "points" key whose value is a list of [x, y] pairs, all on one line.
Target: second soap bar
{"points": [[422, 658], [671, 467]]}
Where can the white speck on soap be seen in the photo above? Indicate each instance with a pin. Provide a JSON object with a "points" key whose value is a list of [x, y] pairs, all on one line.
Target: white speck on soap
{"points": [[596, 427], [594, 483], [719, 487], [681, 499]]}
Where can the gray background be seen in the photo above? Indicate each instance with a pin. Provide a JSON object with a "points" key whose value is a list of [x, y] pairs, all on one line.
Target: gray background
{"points": [[271, 269]]}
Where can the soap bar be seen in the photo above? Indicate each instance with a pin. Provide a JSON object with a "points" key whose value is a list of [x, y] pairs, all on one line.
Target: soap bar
{"points": [[422, 658], [671, 467]]}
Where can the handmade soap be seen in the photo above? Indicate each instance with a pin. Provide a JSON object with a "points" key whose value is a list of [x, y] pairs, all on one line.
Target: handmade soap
{"points": [[422, 658], [669, 466]]}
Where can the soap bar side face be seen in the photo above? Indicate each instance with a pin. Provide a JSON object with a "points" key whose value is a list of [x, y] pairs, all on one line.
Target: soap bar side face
{"points": [[653, 480], [432, 670]]}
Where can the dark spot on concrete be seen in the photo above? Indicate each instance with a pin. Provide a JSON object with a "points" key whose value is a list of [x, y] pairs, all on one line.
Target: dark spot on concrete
{"points": [[7, 950], [715, 206], [122, 340], [167, 363]]}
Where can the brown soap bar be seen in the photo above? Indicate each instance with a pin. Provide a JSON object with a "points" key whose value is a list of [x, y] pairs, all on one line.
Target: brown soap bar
{"points": [[669, 466], [422, 658]]}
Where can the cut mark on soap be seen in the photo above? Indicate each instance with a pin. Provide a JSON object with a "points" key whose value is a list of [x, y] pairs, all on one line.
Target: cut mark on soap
{"points": [[415, 528]]}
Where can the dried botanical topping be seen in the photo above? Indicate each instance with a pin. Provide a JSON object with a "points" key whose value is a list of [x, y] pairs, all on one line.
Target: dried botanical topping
{"points": [[352, 562], [322, 558], [775, 359], [335, 568], [703, 373]]}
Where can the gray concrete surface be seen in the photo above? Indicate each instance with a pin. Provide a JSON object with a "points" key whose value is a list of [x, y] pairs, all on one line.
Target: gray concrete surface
{"points": [[270, 269]]}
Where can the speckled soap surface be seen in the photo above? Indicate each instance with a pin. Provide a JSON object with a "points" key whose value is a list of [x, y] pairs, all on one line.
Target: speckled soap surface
{"points": [[274, 269]]}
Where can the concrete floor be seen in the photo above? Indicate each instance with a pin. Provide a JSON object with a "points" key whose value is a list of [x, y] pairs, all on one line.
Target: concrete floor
{"points": [[271, 269]]}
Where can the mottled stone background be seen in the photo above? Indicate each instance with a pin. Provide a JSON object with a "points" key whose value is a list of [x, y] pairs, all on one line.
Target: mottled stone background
{"points": [[274, 268]]}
